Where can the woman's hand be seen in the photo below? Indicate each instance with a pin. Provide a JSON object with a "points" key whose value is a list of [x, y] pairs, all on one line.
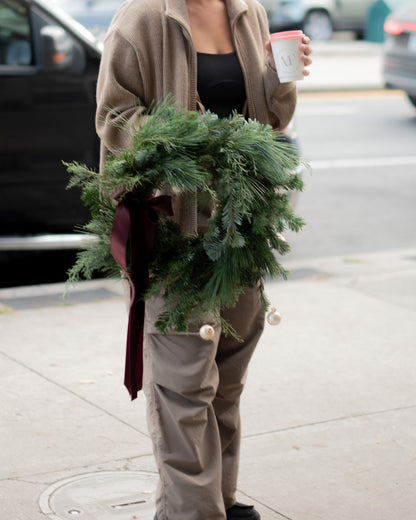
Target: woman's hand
{"points": [[305, 52]]}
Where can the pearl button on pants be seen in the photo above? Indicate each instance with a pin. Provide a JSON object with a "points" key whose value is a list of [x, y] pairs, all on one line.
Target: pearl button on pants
{"points": [[193, 389]]}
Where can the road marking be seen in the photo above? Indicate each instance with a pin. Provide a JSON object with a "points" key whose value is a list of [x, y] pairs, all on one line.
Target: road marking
{"points": [[363, 162], [326, 110], [350, 94]]}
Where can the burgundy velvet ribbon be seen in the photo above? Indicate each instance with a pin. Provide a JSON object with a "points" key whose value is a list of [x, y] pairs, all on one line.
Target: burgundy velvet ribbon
{"points": [[134, 227]]}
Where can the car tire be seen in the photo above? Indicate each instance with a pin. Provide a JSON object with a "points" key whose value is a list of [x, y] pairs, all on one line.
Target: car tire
{"points": [[318, 25], [412, 99]]}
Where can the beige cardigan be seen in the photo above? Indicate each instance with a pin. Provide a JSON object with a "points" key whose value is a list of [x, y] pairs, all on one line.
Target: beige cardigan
{"points": [[148, 54]]}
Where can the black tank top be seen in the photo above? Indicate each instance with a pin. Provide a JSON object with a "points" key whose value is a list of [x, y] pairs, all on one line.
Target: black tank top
{"points": [[221, 83]]}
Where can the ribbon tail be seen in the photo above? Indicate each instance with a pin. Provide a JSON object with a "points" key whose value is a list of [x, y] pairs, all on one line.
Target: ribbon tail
{"points": [[121, 237], [134, 226], [133, 372]]}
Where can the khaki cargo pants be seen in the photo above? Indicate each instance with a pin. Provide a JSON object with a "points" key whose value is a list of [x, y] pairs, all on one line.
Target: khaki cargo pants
{"points": [[193, 389]]}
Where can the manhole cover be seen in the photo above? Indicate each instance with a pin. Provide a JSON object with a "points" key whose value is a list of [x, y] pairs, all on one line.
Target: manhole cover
{"points": [[124, 495]]}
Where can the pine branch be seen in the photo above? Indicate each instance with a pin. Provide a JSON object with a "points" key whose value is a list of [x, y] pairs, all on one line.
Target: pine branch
{"points": [[241, 165]]}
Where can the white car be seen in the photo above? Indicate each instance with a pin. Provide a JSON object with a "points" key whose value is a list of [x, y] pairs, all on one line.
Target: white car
{"points": [[317, 19], [95, 15], [399, 67]]}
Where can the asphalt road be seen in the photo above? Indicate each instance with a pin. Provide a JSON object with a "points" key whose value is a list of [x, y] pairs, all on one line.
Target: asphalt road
{"points": [[34, 267], [360, 189]]}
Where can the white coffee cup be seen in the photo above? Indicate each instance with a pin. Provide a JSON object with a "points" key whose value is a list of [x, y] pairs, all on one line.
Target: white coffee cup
{"points": [[286, 54]]}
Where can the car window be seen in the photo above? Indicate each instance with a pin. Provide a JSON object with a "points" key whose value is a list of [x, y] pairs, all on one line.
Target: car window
{"points": [[15, 34], [354, 9], [95, 15]]}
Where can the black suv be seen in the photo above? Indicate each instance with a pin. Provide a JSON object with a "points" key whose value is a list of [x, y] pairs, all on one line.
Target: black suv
{"points": [[48, 71]]}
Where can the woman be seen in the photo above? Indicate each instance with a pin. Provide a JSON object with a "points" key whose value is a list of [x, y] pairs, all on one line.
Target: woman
{"points": [[210, 54]]}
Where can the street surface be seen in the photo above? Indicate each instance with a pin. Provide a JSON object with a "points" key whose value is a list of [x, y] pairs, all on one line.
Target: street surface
{"points": [[329, 412], [359, 185], [360, 190]]}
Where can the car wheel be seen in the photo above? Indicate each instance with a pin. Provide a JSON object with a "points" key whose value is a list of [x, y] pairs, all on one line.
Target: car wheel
{"points": [[318, 25], [412, 99]]}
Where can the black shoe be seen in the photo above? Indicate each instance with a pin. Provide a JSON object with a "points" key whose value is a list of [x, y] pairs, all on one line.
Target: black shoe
{"points": [[239, 512], [242, 512]]}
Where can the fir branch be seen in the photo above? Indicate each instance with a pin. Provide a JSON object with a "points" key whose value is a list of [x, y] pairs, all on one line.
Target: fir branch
{"points": [[241, 165]]}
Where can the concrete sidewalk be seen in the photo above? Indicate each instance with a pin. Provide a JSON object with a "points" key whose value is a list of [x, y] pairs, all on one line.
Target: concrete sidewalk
{"points": [[329, 412]]}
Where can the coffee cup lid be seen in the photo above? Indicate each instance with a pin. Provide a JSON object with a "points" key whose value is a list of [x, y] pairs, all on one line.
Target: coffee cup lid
{"points": [[285, 35]]}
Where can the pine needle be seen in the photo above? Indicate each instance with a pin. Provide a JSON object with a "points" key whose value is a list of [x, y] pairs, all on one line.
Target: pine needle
{"points": [[241, 165]]}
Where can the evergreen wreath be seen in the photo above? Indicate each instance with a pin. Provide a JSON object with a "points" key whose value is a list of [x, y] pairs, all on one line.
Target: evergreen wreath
{"points": [[242, 165]]}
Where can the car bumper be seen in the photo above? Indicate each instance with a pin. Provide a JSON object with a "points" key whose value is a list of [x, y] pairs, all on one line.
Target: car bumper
{"points": [[399, 72], [44, 242], [399, 67], [400, 82]]}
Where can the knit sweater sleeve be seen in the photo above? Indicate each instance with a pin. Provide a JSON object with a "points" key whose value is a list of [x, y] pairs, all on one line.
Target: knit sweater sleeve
{"points": [[281, 99], [120, 90]]}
